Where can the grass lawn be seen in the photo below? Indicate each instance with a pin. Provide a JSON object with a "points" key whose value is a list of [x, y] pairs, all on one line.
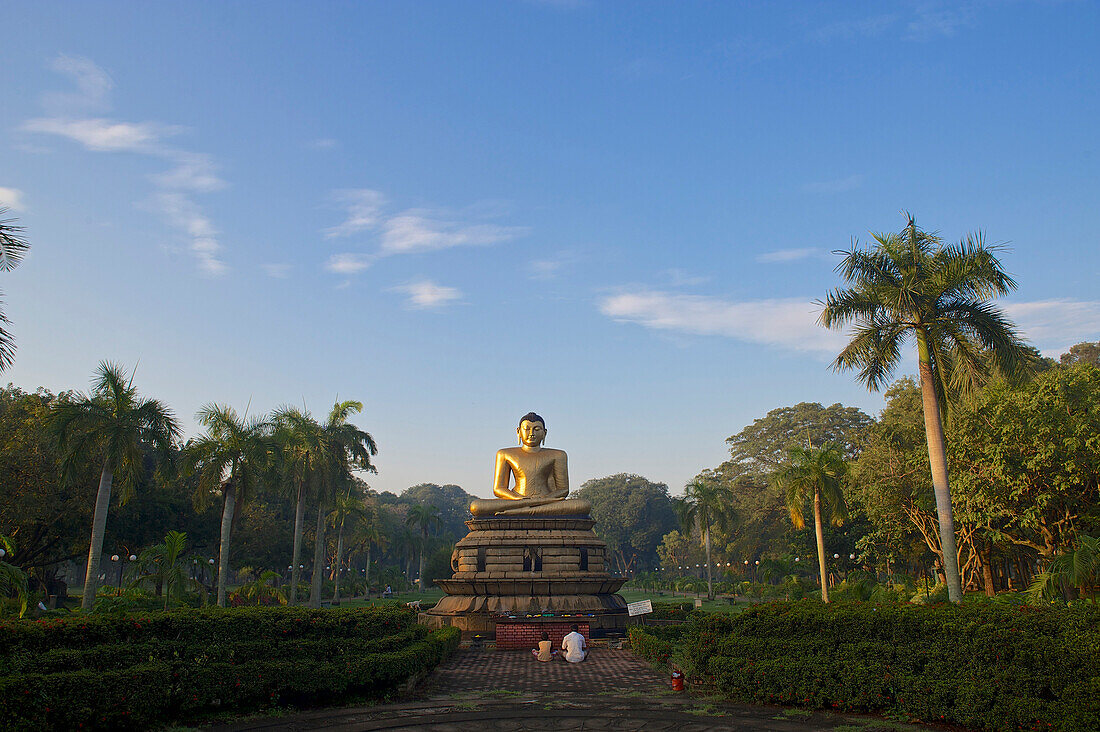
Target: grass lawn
{"points": [[429, 597], [718, 605]]}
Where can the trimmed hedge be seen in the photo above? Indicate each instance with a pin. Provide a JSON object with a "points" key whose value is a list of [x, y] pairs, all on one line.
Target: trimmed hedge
{"points": [[988, 667], [139, 672]]}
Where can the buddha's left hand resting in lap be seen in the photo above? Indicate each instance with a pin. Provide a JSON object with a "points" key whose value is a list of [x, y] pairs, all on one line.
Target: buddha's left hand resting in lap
{"points": [[540, 474]]}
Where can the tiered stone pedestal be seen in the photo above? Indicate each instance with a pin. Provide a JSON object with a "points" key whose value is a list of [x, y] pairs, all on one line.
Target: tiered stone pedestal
{"points": [[552, 567]]}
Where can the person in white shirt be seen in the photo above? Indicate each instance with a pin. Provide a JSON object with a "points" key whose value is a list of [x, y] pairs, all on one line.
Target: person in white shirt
{"points": [[574, 646]]}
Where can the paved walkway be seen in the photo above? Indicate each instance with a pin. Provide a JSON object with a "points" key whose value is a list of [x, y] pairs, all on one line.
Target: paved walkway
{"points": [[485, 690]]}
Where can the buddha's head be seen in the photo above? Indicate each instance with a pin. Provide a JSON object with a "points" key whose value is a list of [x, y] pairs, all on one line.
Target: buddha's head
{"points": [[531, 430]]}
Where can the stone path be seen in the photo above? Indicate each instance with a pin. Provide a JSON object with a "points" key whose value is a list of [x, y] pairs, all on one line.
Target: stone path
{"points": [[484, 690]]}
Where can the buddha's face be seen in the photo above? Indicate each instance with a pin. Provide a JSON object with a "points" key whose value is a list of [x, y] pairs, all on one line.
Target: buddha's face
{"points": [[531, 434]]}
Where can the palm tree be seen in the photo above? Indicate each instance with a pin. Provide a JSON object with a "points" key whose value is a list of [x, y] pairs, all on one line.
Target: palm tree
{"points": [[160, 566], [912, 286], [234, 459], [428, 520], [346, 448], [1069, 573], [12, 248], [13, 581], [112, 425], [301, 451], [348, 506], [367, 533], [707, 503], [818, 473]]}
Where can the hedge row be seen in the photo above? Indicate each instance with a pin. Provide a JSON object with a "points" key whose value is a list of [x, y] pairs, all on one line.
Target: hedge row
{"points": [[988, 667], [323, 663]]}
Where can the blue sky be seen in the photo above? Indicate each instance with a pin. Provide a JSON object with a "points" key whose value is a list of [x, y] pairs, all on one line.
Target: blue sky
{"points": [[615, 214]]}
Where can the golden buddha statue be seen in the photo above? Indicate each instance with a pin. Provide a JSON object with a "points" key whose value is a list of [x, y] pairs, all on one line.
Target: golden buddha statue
{"points": [[541, 478]]}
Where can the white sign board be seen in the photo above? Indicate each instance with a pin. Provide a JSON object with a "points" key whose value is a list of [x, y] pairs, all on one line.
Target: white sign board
{"points": [[639, 608]]}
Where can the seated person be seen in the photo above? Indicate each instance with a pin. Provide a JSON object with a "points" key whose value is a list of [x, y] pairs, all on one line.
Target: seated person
{"points": [[574, 646], [544, 652], [388, 592]]}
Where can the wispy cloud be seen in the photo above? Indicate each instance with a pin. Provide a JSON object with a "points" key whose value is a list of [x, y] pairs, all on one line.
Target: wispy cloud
{"points": [[347, 263], [1055, 325], [836, 185], [92, 87], [104, 135], [189, 172], [11, 198], [851, 29], [426, 294], [185, 215], [420, 230], [411, 231], [322, 143], [789, 322], [784, 256], [363, 207], [940, 19], [275, 270], [682, 278]]}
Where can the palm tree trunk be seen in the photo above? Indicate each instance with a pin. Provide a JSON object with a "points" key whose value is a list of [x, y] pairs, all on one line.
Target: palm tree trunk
{"points": [[318, 559], [820, 546], [366, 572], [937, 458], [95, 546], [223, 550], [296, 554], [336, 564], [423, 559], [706, 543]]}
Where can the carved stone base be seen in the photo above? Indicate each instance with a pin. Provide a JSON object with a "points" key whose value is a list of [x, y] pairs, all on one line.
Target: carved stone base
{"points": [[530, 566]]}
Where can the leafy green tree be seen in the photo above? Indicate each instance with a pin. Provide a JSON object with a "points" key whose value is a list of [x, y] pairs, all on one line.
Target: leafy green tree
{"points": [[632, 514], [678, 550], [426, 519], [815, 473], [41, 511], [12, 248], [111, 426], [1025, 459], [706, 504], [233, 460], [1082, 353], [451, 500], [762, 446], [13, 581], [912, 286]]}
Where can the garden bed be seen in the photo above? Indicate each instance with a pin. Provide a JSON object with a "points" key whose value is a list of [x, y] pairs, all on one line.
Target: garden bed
{"points": [[141, 671]]}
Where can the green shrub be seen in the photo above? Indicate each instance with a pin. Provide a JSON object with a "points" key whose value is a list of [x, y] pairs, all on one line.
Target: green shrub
{"points": [[989, 666], [117, 672]]}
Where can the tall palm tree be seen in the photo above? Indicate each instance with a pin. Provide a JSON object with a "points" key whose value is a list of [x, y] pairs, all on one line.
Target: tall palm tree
{"points": [[817, 473], [346, 448], [301, 452], [234, 459], [707, 503], [910, 285], [112, 426], [427, 519], [12, 248]]}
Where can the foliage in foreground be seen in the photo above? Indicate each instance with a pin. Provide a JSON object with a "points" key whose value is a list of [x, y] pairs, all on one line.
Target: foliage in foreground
{"points": [[986, 667], [136, 672]]}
